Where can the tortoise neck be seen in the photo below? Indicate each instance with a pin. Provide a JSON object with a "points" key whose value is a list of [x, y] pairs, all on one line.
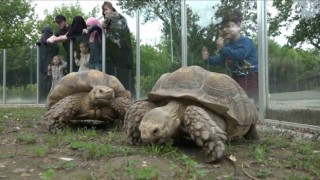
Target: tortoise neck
{"points": [[176, 110]]}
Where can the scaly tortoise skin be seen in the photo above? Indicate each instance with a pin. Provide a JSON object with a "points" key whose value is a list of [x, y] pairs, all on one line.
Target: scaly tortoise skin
{"points": [[210, 107], [86, 95]]}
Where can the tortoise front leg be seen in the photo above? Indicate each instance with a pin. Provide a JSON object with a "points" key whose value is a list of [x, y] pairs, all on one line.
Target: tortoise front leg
{"points": [[133, 118], [60, 114], [207, 130]]}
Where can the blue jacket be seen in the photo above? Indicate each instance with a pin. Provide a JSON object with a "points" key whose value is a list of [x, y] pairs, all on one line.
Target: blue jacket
{"points": [[240, 57]]}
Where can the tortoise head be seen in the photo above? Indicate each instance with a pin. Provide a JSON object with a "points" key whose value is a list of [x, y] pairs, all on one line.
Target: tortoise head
{"points": [[101, 95], [160, 124]]}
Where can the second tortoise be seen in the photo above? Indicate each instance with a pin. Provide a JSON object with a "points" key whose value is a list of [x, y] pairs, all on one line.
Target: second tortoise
{"points": [[209, 107]]}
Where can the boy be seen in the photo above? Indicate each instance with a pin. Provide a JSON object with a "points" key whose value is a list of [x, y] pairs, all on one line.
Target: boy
{"points": [[239, 54]]}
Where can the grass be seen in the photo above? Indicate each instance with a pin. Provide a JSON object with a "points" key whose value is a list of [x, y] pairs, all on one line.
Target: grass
{"points": [[98, 153], [27, 138]]}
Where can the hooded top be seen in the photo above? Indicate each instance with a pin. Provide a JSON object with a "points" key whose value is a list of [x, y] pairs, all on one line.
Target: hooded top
{"points": [[78, 24]]}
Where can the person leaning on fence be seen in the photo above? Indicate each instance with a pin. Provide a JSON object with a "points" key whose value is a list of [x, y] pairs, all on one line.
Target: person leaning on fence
{"points": [[95, 42], [239, 53], [63, 28], [119, 57], [65, 32]]}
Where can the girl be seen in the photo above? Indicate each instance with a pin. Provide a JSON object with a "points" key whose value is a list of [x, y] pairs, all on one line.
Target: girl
{"points": [[83, 62], [56, 70]]}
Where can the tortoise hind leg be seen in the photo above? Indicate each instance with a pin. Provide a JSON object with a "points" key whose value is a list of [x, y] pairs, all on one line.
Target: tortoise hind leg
{"points": [[206, 129], [252, 133]]}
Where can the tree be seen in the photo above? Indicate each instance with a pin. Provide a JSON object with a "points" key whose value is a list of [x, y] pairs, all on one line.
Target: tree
{"points": [[17, 25], [306, 14], [169, 12]]}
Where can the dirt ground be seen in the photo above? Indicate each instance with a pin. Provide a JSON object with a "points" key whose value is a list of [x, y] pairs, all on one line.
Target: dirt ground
{"points": [[28, 151]]}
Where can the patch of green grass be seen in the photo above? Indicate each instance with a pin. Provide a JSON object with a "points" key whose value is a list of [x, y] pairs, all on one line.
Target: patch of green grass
{"points": [[90, 150], [27, 138], [190, 167], [40, 151], [87, 133], [47, 175], [52, 140], [260, 153], [276, 141], [164, 149], [131, 170], [23, 113], [61, 164], [263, 173]]}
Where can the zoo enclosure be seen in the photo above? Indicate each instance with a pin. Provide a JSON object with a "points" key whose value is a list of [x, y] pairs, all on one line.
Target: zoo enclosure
{"points": [[287, 91]]}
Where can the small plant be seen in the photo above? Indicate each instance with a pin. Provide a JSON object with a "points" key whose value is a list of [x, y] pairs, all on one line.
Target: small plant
{"points": [[191, 167], [260, 153], [27, 138], [40, 151], [47, 175], [140, 172], [164, 149], [89, 133], [263, 173], [61, 164], [90, 149], [52, 140]]}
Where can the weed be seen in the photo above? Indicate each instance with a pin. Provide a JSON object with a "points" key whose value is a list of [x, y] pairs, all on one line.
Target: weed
{"points": [[47, 175], [52, 140], [27, 138], [276, 140], [164, 149], [88, 133], [260, 153], [140, 172], [191, 171], [90, 150], [111, 136], [40, 151], [263, 173], [66, 165]]}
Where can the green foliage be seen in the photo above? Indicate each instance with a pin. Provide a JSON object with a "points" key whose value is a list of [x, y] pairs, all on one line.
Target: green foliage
{"points": [[61, 164], [27, 138], [260, 152], [40, 151], [90, 150], [23, 92], [155, 149], [135, 172], [47, 175], [16, 24], [263, 173]]}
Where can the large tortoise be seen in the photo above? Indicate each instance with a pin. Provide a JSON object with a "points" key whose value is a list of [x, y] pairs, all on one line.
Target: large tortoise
{"points": [[86, 95], [209, 107]]}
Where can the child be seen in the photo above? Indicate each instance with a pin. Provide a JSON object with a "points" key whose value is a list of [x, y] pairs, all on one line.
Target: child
{"points": [[56, 70], [239, 54], [83, 62], [95, 43]]}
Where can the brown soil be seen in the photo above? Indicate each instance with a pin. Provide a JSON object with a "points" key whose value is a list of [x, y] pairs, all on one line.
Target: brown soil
{"points": [[22, 159]]}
